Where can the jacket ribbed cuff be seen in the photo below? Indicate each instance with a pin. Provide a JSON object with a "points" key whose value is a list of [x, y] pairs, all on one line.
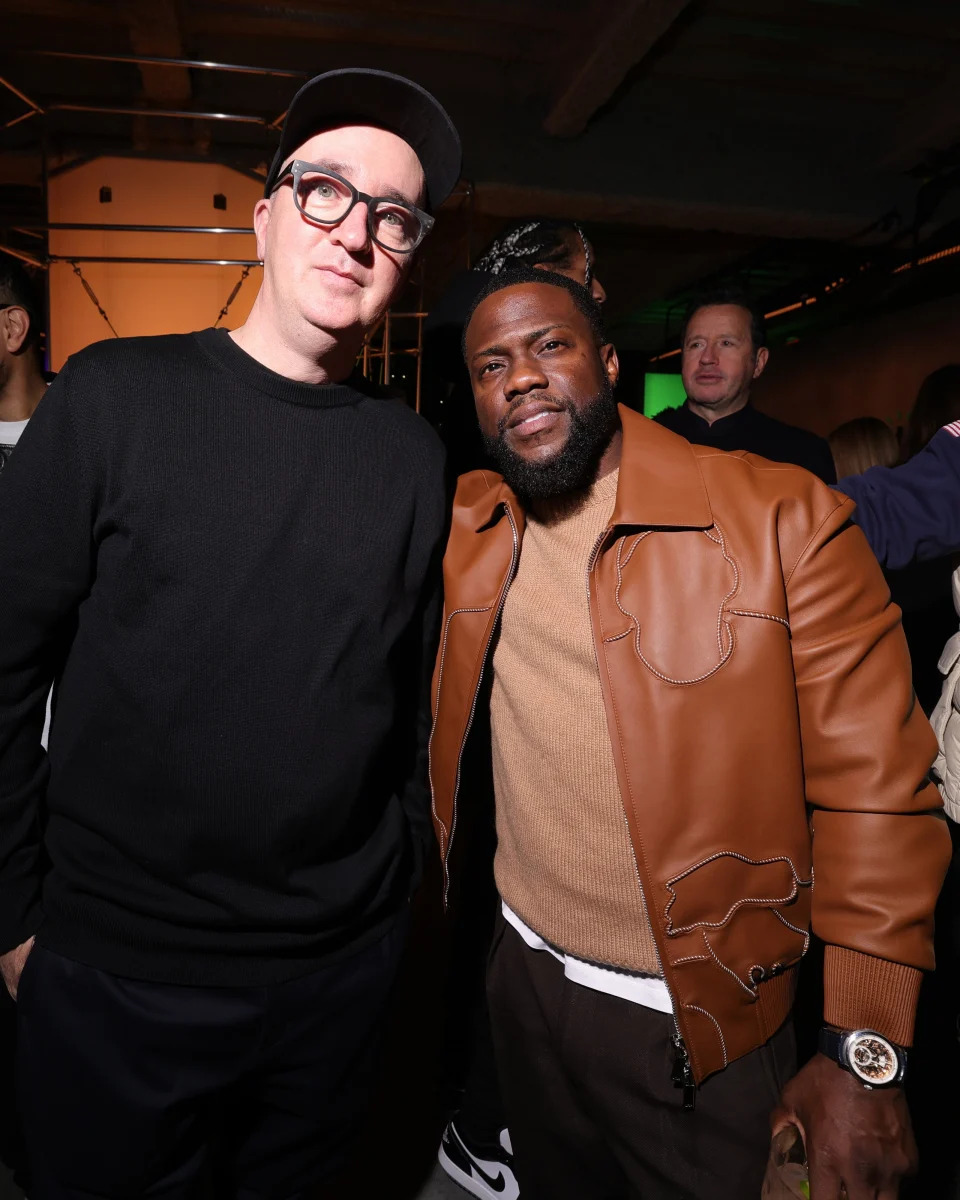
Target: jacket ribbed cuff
{"points": [[863, 992]]}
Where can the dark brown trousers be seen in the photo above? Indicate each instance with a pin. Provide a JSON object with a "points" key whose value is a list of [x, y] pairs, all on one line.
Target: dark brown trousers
{"points": [[590, 1102]]}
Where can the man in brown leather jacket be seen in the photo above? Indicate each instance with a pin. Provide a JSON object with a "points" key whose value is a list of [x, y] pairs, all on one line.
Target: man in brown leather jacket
{"points": [[703, 741]]}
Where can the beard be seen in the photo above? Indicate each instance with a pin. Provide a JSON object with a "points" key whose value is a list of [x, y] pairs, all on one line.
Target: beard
{"points": [[569, 473]]}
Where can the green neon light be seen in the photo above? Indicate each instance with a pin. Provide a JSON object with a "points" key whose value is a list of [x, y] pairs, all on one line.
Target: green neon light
{"points": [[660, 392]]}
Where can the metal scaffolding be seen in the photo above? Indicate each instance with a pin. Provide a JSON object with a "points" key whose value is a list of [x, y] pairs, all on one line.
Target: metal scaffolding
{"points": [[379, 350]]}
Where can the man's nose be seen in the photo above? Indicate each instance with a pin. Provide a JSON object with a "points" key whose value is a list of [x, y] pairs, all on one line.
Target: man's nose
{"points": [[525, 375], [352, 232], [709, 353]]}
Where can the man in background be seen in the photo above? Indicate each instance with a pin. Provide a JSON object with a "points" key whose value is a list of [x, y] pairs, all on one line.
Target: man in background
{"points": [[21, 376], [724, 349], [22, 384]]}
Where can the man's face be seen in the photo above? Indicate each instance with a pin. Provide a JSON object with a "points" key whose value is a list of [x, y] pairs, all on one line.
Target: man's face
{"points": [[543, 388], [719, 360], [335, 278]]}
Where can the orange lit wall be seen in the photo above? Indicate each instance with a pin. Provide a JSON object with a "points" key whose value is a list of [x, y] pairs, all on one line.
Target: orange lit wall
{"points": [[149, 298], [872, 368]]}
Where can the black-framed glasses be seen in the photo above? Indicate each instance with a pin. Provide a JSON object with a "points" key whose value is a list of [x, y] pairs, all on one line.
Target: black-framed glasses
{"points": [[326, 198]]}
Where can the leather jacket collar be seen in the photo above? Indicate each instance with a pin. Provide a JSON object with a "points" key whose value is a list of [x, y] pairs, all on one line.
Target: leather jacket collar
{"points": [[660, 482]]}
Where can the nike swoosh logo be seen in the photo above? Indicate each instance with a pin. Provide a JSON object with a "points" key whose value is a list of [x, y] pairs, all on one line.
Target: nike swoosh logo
{"points": [[497, 1181], [497, 1185]]}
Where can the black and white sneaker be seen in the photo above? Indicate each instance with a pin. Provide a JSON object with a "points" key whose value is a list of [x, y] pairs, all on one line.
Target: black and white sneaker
{"points": [[485, 1173]]}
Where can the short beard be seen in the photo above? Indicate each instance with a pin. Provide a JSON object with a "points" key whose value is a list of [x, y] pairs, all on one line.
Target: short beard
{"points": [[569, 474]]}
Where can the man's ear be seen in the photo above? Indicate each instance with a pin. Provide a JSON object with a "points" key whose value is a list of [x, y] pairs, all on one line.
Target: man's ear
{"points": [[16, 328], [611, 364], [261, 222], [763, 355]]}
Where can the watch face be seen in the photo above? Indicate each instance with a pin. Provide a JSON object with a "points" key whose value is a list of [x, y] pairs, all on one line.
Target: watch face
{"points": [[872, 1058]]}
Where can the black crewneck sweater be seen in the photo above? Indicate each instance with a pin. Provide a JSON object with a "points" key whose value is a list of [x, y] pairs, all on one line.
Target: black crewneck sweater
{"points": [[233, 577]]}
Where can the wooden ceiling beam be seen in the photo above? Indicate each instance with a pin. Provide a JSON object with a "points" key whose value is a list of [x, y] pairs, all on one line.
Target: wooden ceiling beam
{"points": [[532, 15], [891, 17], [731, 74], [208, 28], [621, 39], [80, 11], [517, 200], [155, 32]]}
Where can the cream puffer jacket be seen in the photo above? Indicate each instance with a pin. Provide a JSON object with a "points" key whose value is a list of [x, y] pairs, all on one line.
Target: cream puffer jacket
{"points": [[945, 719]]}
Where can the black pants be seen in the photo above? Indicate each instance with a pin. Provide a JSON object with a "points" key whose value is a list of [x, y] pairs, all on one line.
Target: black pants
{"points": [[473, 1090], [591, 1107], [131, 1089]]}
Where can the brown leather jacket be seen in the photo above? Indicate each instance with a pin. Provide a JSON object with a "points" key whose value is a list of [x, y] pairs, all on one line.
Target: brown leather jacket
{"points": [[758, 696]]}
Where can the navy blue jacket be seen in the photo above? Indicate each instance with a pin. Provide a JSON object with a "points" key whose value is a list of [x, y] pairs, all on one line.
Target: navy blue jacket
{"points": [[911, 513]]}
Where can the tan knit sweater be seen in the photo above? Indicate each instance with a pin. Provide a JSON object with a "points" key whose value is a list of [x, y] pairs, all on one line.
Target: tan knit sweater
{"points": [[564, 860]]}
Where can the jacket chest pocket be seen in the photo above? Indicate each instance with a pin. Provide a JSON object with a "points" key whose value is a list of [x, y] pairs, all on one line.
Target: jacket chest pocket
{"points": [[677, 597], [669, 592], [749, 916]]}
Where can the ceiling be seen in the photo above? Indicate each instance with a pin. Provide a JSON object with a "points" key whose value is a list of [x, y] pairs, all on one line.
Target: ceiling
{"points": [[783, 141]]}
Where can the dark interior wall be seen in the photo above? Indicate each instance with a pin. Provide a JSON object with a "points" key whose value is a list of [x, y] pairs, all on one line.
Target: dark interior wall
{"points": [[872, 368]]}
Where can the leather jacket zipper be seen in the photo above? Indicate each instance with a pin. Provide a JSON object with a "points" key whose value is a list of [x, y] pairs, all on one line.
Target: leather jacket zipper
{"points": [[682, 1073], [476, 694]]}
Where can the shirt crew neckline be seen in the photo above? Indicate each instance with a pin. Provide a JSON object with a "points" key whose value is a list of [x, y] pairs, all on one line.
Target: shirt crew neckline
{"points": [[602, 494], [219, 345], [730, 421]]}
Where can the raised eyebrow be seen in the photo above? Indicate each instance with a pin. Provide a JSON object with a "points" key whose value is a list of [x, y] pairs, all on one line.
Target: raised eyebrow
{"points": [[491, 352], [529, 339], [344, 169], [394, 194], [539, 333], [328, 164]]}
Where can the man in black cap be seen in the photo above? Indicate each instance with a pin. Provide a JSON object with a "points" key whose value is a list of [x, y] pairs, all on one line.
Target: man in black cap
{"points": [[222, 547]]}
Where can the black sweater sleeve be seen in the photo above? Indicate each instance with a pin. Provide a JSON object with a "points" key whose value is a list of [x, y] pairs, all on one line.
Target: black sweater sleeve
{"points": [[415, 788], [46, 568]]}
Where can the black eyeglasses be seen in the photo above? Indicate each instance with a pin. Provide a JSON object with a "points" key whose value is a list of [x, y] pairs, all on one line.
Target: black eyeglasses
{"points": [[326, 198]]}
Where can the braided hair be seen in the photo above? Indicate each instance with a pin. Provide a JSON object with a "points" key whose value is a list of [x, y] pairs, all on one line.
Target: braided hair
{"points": [[535, 241]]}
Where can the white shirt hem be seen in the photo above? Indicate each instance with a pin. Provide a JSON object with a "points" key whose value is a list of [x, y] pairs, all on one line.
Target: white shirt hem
{"points": [[638, 989]]}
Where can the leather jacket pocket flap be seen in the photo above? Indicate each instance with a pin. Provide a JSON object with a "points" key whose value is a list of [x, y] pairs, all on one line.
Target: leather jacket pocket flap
{"points": [[710, 894], [759, 944]]}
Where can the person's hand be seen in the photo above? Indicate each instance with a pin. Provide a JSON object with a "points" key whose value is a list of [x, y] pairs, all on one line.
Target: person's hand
{"points": [[11, 964], [855, 1138]]}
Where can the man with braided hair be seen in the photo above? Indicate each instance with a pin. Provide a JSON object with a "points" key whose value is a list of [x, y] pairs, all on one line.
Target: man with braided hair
{"points": [[547, 244], [476, 1138]]}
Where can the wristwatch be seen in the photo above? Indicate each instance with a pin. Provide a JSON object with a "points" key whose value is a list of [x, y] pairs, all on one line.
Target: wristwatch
{"points": [[869, 1056]]}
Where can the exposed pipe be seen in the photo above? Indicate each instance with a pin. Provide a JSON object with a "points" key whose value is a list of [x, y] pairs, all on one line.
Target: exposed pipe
{"points": [[100, 258], [27, 258], [185, 113], [98, 228], [145, 59], [31, 112], [16, 91]]}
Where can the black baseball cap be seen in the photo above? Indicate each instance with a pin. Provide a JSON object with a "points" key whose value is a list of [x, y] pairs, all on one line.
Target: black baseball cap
{"points": [[356, 95]]}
